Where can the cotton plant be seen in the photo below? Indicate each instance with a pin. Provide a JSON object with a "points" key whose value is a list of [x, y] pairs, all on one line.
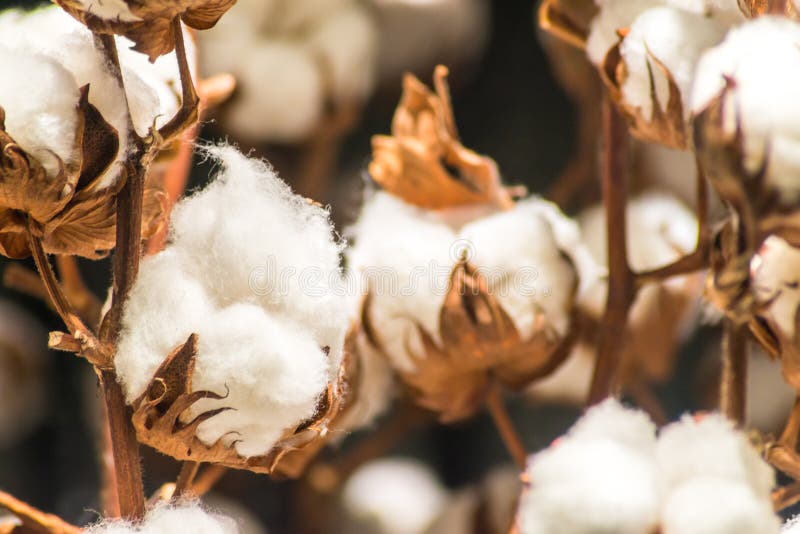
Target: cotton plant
{"points": [[698, 474], [166, 518], [293, 61]]}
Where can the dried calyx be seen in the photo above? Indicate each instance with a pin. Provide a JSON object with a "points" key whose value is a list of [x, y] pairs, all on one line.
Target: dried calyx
{"points": [[148, 23]]}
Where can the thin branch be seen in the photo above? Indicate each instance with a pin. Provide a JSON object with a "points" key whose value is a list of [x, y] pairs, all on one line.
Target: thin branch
{"points": [[183, 485], [207, 479], [786, 496], [34, 519], [86, 304], [22, 279], [187, 114], [505, 427], [621, 282], [733, 383]]}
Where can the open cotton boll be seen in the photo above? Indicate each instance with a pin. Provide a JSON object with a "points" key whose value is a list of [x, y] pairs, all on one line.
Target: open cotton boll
{"points": [[613, 15], [762, 58], [725, 11], [774, 273], [299, 15], [347, 44], [674, 37], [168, 519], [109, 9], [599, 477], [710, 446], [569, 384], [40, 100], [792, 526], [394, 496], [713, 506], [281, 99]]}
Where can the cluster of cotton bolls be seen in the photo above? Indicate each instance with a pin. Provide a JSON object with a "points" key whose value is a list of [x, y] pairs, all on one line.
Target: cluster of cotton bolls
{"points": [[292, 59], [531, 257], [52, 56], [167, 519], [611, 473], [269, 314]]}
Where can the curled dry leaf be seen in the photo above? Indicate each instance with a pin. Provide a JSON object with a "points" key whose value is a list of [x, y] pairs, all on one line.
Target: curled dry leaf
{"points": [[666, 125], [423, 162], [567, 20], [479, 345], [756, 8], [158, 422], [148, 22]]}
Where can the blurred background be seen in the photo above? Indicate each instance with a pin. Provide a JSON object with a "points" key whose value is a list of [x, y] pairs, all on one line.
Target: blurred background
{"points": [[508, 104]]}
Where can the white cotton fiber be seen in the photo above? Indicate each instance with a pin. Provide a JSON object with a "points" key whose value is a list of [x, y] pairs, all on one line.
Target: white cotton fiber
{"points": [[614, 15], [109, 9], [674, 37], [408, 253], [168, 519], [792, 526], [707, 505], [254, 271], [600, 477], [762, 58], [775, 274], [724, 11], [394, 496], [710, 446], [40, 99]]}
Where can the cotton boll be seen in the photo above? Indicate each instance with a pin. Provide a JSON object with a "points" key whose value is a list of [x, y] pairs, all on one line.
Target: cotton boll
{"points": [[246, 520], [569, 384], [394, 496], [710, 447], [299, 15], [279, 93], [674, 37], [40, 99], [762, 58], [347, 43], [168, 519], [109, 9], [458, 516], [713, 506], [611, 420], [792, 526], [725, 11], [613, 15], [774, 272]]}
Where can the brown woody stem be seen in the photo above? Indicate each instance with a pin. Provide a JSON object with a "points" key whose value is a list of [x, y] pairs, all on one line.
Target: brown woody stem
{"points": [[505, 427], [33, 519], [51, 285], [22, 279], [187, 114], [621, 281], [786, 496], [733, 383], [207, 479], [183, 484], [86, 304]]}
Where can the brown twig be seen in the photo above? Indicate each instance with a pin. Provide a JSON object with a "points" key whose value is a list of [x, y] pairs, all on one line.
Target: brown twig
{"points": [[185, 480], [733, 383], [786, 496], [621, 282], [505, 427], [86, 304], [207, 479], [34, 519], [187, 114], [22, 279]]}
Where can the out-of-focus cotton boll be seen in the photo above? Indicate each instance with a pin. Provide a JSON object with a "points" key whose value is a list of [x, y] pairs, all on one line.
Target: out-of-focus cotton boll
{"points": [[713, 506], [416, 36], [725, 11], [23, 364], [613, 15], [569, 384], [762, 59], [710, 446], [109, 9], [168, 519], [775, 271], [246, 520], [40, 101], [393, 496], [673, 37], [611, 448], [268, 336], [792, 526]]}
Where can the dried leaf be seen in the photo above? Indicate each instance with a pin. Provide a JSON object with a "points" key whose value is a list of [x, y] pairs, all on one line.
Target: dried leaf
{"points": [[756, 8], [480, 344], [157, 419], [567, 20], [666, 125], [423, 161], [149, 27]]}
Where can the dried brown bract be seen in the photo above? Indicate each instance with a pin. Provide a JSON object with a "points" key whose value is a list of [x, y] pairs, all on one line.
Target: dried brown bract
{"points": [[148, 23], [756, 8], [666, 125], [158, 422], [567, 20], [69, 212], [480, 346], [423, 162]]}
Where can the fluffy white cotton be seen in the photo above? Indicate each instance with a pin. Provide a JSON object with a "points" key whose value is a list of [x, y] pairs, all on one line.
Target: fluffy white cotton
{"points": [[792, 526], [775, 278], [40, 99], [291, 60], [762, 58], [674, 37], [714, 506], [405, 254], [254, 271], [725, 11], [600, 477], [710, 446], [614, 15], [168, 519], [109, 9], [394, 496], [151, 89]]}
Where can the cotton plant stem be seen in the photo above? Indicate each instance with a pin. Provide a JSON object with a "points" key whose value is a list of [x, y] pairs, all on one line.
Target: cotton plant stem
{"points": [[183, 484], [187, 114], [733, 383], [786, 496], [621, 281], [207, 479], [33, 519], [505, 427], [86, 304]]}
